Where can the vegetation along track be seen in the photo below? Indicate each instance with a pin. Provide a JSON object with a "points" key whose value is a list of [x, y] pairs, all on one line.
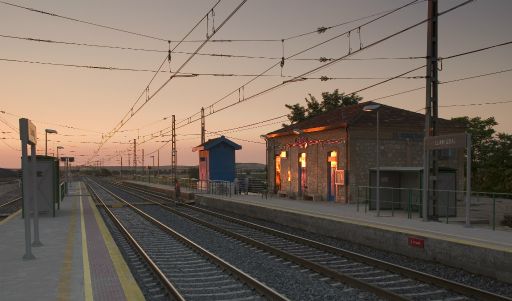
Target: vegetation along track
{"points": [[186, 270], [396, 282]]}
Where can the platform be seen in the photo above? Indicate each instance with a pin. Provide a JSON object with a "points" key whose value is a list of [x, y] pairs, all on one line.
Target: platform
{"points": [[79, 260], [477, 250]]}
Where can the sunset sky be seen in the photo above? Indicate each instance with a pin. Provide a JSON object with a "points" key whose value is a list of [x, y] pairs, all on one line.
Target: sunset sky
{"points": [[84, 103]]}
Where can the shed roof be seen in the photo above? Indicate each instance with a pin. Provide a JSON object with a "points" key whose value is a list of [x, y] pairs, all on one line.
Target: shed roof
{"points": [[354, 115], [216, 141]]}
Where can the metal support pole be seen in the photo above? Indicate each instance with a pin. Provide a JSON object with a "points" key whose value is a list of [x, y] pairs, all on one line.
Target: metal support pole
{"points": [[35, 205], [431, 107], [26, 201], [121, 171], [203, 136], [378, 167], [45, 143], [135, 156], [158, 161], [468, 179], [174, 152]]}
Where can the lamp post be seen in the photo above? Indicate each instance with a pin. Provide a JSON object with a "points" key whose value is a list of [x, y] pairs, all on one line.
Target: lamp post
{"points": [[46, 132], [59, 147], [153, 158], [375, 108]]}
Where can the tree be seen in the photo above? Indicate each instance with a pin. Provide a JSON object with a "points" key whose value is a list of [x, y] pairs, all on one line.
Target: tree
{"points": [[313, 107], [297, 114], [335, 99], [491, 155]]}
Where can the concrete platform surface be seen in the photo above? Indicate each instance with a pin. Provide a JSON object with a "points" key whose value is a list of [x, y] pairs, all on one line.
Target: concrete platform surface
{"points": [[78, 260], [475, 249]]}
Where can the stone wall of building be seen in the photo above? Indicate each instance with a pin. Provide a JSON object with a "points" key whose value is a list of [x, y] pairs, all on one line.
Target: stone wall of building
{"points": [[318, 147], [399, 147]]}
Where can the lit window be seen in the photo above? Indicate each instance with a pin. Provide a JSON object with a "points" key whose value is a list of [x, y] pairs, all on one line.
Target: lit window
{"points": [[289, 176], [302, 160], [333, 158], [282, 154]]}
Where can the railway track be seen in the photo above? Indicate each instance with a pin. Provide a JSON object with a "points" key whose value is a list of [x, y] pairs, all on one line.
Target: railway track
{"points": [[384, 279], [10, 207], [185, 270]]}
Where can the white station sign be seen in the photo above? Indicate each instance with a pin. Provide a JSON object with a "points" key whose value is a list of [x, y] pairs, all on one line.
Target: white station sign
{"points": [[28, 131]]}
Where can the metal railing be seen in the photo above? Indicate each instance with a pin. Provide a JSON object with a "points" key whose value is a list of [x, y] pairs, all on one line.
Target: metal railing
{"points": [[192, 185], [489, 209]]}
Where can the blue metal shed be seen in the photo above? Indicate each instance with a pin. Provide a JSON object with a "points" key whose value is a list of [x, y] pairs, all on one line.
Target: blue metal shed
{"points": [[217, 159]]}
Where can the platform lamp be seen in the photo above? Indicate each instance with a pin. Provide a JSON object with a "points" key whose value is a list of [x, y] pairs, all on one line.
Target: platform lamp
{"points": [[59, 147], [46, 132], [375, 108]]}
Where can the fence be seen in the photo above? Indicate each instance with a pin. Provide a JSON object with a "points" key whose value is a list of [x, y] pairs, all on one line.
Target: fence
{"points": [[486, 208], [239, 186]]}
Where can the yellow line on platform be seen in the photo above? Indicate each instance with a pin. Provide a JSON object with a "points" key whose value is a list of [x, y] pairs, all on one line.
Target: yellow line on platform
{"points": [[85, 257], [5, 220], [63, 291], [130, 287]]}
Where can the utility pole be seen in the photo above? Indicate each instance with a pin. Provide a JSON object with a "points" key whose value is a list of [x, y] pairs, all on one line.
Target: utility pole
{"points": [[174, 152], [121, 171], [431, 113], [158, 161], [202, 126], [134, 156], [142, 160]]}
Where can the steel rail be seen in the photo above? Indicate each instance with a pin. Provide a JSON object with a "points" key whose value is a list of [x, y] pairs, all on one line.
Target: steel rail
{"points": [[354, 282], [171, 289], [249, 280], [10, 202], [417, 275]]}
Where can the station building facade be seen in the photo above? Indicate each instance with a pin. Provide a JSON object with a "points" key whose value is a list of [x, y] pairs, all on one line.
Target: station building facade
{"points": [[327, 156]]}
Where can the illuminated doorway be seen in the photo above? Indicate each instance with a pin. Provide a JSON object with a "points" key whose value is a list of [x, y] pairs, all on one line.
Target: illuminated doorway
{"points": [[302, 174], [277, 180], [332, 164]]}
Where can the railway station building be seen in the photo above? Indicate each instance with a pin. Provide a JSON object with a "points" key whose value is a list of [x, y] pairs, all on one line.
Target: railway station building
{"points": [[328, 156]]}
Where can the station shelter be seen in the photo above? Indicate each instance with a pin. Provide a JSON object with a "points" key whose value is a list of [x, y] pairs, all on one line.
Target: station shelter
{"points": [[328, 157], [217, 159], [47, 183]]}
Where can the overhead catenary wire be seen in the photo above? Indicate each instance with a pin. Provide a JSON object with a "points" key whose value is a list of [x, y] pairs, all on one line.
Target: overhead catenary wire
{"points": [[83, 22], [219, 55], [321, 29], [150, 97], [188, 119], [238, 128], [52, 123], [330, 63], [445, 82], [475, 104], [195, 74]]}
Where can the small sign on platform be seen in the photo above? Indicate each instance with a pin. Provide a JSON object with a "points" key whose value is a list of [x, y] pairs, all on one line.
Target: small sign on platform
{"points": [[416, 242]]}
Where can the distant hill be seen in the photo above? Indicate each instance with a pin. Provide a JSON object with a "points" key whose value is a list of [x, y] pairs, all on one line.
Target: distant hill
{"points": [[250, 166], [8, 173]]}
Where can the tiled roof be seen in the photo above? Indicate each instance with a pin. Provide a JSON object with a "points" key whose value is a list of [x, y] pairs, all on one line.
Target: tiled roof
{"points": [[215, 141], [354, 116]]}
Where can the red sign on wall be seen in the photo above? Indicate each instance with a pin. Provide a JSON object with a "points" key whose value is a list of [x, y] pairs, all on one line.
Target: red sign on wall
{"points": [[416, 242]]}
